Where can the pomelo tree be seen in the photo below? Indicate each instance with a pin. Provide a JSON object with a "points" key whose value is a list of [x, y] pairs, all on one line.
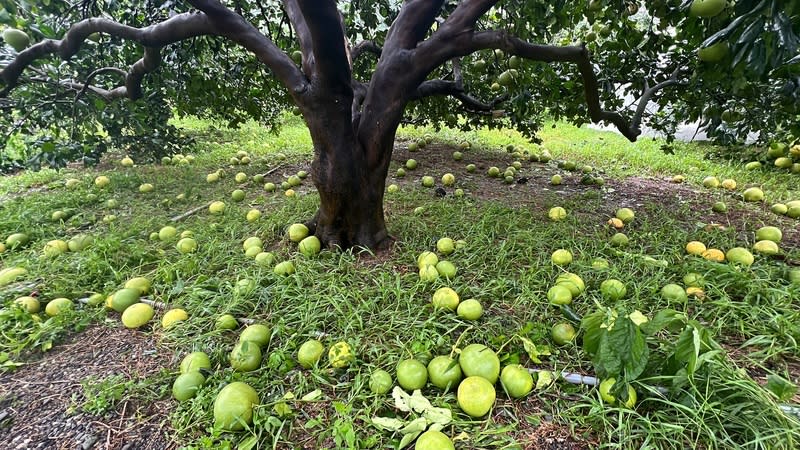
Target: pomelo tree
{"points": [[356, 70]]}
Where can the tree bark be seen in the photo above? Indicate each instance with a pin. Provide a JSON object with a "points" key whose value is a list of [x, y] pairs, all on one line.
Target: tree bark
{"points": [[350, 184]]}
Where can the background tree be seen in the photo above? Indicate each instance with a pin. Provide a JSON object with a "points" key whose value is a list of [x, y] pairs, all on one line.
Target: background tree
{"points": [[361, 69]]}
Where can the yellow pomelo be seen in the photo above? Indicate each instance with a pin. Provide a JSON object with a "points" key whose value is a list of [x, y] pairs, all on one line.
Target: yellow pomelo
{"points": [[141, 284], [573, 282], [561, 257], [766, 247], [29, 304], [233, 406], [427, 259], [559, 295], [516, 381], [137, 315], [411, 374], [557, 213], [195, 361], [57, 306], [729, 184], [626, 215], [695, 248], [246, 356], [433, 440], [258, 333], [714, 254], [186, 385], [481, 361], [444, 372], [172, 317], [297, 232], [309, 353], [753, 194], [341, 355], [476, 396], [445, 298], [252, 252]]}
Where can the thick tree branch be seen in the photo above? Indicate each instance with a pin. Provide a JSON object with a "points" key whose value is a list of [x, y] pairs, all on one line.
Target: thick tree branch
{"points": [[465, 15], [177, 28], [649, 92], [328, 41], [456, 90], [412, 24], [303, 33], [227, 23]]}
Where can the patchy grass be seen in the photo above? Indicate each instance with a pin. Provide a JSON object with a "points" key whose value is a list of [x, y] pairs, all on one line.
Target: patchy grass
{"points": [[747, 322]]}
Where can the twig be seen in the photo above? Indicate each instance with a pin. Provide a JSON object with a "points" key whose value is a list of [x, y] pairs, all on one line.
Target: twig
{"points": [[190, 212]]}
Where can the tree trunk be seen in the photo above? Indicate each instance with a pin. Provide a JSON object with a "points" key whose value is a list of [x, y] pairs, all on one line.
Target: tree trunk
{"points": [[350, 177]]}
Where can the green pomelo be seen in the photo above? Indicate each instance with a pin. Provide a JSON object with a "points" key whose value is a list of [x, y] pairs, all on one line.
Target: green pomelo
{"points": [[233, 406], [481, 361], [444, 372]]}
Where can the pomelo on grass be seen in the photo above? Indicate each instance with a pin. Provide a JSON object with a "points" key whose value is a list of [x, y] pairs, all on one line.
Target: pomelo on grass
{"points": [[380, 382], [695, 248], [572, 282], [479, 360], [476, 396], [613, 289], [226, 322], [172, 317], [433, 440], [137, 315], [310, 246], [444, 372], [186, 385], [297, 232], [284, 268], [309, 353], [186, 245], [141, 284], [713, 254], [766, 247], [341, 355], [233, 406], [445, 245], [446, 269], [557, 213], [769, 233], [559, 295], [445, 298], [516, 381], [470, 309], [124, 298], [428, 274], [246, 356], [674, 293], [258, 333], [29, 304], [626, 215], [411, 374], [561, 257], [563, 333], [194, 362], [427, 258], [605, 393], [741, 256]]}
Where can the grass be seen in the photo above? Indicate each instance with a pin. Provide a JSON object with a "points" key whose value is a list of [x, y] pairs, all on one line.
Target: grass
{"points": [[381, 308]]}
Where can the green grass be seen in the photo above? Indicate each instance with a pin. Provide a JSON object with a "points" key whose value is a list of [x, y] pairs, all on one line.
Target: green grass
{"points": [[381, 308]]}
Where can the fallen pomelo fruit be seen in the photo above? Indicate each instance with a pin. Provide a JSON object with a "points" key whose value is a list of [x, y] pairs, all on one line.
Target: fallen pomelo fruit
{"points": [[729, 184], [613, 289], [258, 333], [753, 194], [428, 274], [265, 259], [719, 207], [479, 360], [141, 284], [557, 213], [310, 246], [433, 440], [766, 248], [616, 223], [186, 245], [626, 215], [470, 309], [773, 234], [693, 279], [605, 393], [297, 232], [233, 406], [445, 298], [674, 293], [779, 208], [427, 259], [284, 268], [561, 257], [572, 282], [713, 254], [559, 295], [57, 306], [444, 372], [186, 385], [172, 317], [411, 374], [476, 396], [445, 245], [740, 255], [29, 304], [137, 315], [341, 355], [167, 233], [246, 356], [195, 361], [619, 240], [711, 182], [124, 298], [695, 248], [309, 353], [516, 381], [380, 382], [226, 322], [446, 269], [563, 333], [252, 241]]}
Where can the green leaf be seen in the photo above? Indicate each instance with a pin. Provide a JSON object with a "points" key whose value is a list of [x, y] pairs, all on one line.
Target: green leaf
{"points": [[544, 378], [663, 319], [533, 351], [316, 394], [592, 332], [781, 387], [408, 438], [388, 423]]}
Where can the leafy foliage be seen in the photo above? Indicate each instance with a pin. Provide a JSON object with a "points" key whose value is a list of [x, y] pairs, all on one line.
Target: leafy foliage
{"points": [[754, 89]]}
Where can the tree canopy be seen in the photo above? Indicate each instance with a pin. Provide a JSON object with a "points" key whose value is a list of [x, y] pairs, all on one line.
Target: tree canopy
{"points": [[60, 110]]}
